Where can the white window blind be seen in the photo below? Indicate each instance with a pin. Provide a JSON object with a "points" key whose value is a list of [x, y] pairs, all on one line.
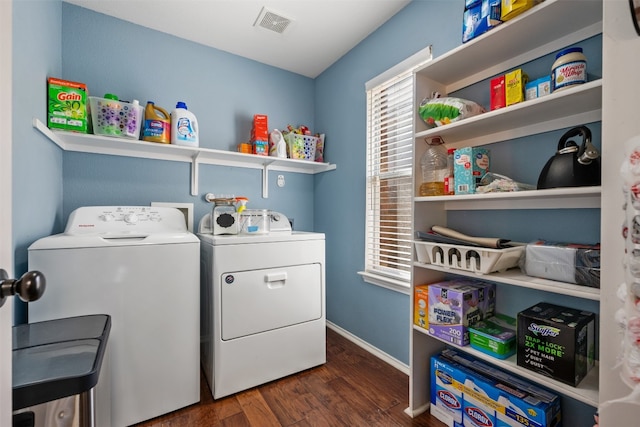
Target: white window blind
{"points": [[390, 115]]}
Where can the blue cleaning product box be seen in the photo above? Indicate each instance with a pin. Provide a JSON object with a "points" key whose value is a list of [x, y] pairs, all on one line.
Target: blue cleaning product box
{"points": [[468, 4], [480, 18], [469, 166], [446, 391], [492, 397]]}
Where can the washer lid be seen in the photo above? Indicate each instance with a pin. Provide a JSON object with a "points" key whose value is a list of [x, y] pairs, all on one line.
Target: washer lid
{"points": [[113, 220], [112, 226]]}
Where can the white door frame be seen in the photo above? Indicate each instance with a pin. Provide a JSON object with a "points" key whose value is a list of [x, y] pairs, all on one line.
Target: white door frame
{"points": [[6, 235]]}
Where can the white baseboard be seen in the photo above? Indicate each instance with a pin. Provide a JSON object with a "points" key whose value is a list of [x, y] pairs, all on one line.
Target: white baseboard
{"points": [[371, 349]]}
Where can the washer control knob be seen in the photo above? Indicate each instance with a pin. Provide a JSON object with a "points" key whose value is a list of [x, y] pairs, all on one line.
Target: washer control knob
{"points": [[107, 217], [131, 218]]}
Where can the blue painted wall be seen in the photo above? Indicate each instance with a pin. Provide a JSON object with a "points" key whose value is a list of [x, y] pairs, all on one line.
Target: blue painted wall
{"points": [[377, 315], [37, 181], [224, 91]]}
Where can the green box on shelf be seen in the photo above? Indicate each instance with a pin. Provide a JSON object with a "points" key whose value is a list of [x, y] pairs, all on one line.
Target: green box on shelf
{"points": [[495, 336]]}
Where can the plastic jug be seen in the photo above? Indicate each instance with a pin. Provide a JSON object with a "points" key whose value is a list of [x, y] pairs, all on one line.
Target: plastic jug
{"points": [[157, 124], [434, 168], [184, 126]]}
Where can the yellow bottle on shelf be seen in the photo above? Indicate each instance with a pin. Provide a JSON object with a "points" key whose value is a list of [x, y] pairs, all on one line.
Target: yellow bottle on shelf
{"points": [[157, 124]]}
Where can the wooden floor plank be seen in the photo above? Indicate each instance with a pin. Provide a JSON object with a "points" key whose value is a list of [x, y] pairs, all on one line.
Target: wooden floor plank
{"points": [[353, 389]]}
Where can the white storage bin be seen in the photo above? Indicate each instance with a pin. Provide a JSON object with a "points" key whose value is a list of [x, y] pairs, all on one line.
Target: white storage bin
{"points": [[111, 117], [255, 221]]}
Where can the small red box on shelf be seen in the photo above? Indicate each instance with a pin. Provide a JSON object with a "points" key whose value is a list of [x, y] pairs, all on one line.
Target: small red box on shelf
{"points": [[498, 98]]}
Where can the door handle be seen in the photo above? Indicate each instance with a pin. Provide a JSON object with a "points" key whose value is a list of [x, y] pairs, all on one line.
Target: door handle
{"points": [[29, 287], [275, 280]]}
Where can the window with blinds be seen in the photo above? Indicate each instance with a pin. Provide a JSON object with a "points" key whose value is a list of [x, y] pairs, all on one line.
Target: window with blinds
{"points": [[390, 114]]}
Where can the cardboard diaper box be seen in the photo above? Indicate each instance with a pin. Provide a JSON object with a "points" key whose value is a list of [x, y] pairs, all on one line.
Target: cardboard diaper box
{"points": [[456, 304], [67, 105], [469, 166], [480, 18], [468, 392], [557, 341]]}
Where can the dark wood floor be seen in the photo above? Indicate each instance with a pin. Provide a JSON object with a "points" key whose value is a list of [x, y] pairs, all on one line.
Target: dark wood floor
{"points": [[354, 388]]}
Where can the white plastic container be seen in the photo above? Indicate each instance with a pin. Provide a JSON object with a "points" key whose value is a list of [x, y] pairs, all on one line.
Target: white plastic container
{"points": [[112, 117], [569, 69], [277, 145], [184, 126], [254, 221]]}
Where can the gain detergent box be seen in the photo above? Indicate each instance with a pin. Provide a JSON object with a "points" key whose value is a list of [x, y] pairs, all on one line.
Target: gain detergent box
{"points": [[557, 341], [66, 105], [490, 396]]}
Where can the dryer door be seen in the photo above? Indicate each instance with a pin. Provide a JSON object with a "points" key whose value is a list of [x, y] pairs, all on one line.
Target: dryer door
{"points": [[261, 300]]}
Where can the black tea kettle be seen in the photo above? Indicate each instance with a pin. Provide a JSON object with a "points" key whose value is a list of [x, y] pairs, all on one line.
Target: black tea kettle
{"points": [[572, 165]]}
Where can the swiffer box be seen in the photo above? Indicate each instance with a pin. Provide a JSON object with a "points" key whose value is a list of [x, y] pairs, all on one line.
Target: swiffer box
{"points": [[467, 392], [469, 165], [557, 341], [481, 18], [66, 105]]}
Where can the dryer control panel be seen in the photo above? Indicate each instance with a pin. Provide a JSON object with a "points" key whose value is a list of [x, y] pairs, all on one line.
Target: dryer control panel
{"points": [[125, 220]]}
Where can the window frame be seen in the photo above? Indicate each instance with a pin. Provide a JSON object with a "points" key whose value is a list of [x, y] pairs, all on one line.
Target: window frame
{"points": [[374, 273]]}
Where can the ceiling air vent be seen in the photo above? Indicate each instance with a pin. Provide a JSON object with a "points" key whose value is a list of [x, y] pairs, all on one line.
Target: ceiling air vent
{"points": [[272, 21]]}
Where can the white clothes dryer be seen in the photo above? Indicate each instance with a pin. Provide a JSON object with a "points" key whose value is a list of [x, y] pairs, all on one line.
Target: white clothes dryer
{"points": [[139, 265], [262, 305]]}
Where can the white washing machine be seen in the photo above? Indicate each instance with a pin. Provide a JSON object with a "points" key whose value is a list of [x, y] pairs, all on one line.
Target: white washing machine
{"points": [[262, 305], [139, 265]]}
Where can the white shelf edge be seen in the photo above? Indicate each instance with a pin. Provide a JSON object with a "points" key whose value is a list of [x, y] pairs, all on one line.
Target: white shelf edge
{"points": [[586, 392], [96, 144], [553, 198], [585, 100], [516, 278], [469, 61]]}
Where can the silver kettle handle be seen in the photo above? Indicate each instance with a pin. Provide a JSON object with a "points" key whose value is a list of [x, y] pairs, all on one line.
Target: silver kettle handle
{"points": [[588, 154]]}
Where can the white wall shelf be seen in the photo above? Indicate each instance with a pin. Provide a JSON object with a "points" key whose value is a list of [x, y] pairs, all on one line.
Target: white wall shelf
{"points": [[515, 277], [512, 43], [87, 143], [545, 29], [525, 118], [554, 198]]}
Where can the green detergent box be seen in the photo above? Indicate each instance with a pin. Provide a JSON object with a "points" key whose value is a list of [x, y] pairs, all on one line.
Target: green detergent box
{"points": [[495, 336], [66, 105]]}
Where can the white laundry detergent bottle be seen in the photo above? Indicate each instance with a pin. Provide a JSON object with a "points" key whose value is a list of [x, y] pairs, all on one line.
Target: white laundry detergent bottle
{"points": [[184, 126]]}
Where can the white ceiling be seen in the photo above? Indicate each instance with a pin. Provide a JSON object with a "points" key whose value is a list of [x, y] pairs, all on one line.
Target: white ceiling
{"points": [[320, 33]]}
